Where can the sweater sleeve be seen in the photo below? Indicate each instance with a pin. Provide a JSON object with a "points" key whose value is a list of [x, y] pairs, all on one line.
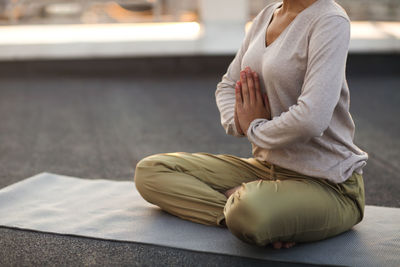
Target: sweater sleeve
{"points": [[327, 53], [225, 92]]}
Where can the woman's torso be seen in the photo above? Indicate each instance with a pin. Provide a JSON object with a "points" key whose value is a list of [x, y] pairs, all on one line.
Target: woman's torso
{"points": [[282, 66]]}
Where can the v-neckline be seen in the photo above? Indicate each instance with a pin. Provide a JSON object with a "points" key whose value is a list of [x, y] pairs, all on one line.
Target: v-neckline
{"points": [[286, 28], [269, 23]]}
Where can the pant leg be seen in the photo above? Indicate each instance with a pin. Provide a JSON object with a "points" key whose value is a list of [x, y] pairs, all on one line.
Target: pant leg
{"points": [[191, 185], [302, 209]]}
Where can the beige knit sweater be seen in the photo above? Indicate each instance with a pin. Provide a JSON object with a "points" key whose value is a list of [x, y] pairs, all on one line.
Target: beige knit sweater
{"points": [[303, 73]]}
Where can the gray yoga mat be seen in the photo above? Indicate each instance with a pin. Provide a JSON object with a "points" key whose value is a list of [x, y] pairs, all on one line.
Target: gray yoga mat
{"points": [[114, 210]]}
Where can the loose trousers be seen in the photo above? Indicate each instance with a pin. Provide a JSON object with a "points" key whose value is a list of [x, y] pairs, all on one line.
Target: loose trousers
{"points": [[272, 203]]}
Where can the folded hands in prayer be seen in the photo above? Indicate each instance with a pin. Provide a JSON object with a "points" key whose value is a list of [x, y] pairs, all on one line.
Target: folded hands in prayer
{"points": [[251, 103]]}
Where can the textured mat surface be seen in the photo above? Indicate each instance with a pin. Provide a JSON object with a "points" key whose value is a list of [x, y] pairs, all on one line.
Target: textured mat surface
{"points": [[114, 210]]}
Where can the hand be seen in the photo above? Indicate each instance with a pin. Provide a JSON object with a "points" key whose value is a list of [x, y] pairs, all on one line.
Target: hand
{"points": [[239, 130], [250, 103], [229, 192], [232, 190]]}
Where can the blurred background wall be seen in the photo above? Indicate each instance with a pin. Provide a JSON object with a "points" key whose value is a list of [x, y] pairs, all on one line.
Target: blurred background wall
{"points": [[382, 10], [99, 11], [46, 29]]}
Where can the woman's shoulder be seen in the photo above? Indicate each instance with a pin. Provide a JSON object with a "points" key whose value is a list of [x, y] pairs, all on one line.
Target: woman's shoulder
{"points": [[328, 16], [329, 9]]}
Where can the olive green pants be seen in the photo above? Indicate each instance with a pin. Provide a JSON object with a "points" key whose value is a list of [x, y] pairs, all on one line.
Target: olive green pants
{"points": [[272, 204]]}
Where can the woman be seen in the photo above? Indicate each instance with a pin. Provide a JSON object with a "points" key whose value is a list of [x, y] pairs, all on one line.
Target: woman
{"points": [[286, 91]]}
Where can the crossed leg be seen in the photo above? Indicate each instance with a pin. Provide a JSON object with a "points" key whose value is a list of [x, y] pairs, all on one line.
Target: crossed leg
{"points": [[193, 186], [288, 210], [277, 244]]}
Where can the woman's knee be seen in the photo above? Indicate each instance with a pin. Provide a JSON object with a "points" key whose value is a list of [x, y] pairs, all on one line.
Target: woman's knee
{"points": [[269, 211], [263, 212], [246, 219], [145, 172]]}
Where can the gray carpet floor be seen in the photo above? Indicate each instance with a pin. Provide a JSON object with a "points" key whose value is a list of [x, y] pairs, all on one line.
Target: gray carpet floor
{"points": [[100, 126]]}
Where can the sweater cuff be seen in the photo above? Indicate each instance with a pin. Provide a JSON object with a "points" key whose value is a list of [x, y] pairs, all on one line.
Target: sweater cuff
{"points": [[253, 126]]}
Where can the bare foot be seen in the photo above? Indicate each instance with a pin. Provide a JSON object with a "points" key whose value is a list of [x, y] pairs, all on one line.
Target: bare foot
{"points": [[278, 244], [229, 192]]}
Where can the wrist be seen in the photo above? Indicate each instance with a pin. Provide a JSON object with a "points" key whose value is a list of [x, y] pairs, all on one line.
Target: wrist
{"points": [[247, 129], [237, 125]]}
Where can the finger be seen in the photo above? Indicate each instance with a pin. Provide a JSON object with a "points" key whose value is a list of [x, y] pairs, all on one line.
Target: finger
{"points": [[251, 86], [286, 245], [238, 93], [257, 85], [245, 89], [289, 244], [266, 105], [277, 245], [266, 100]]}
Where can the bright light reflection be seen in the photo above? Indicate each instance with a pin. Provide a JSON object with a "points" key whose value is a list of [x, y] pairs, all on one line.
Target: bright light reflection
{"points": [[53, 34], [248, 25], [368, 30], [392, 28]]}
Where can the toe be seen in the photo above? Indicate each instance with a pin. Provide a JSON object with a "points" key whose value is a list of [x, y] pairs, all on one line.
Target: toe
{"points": [[277, 245], [289, 244]]}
